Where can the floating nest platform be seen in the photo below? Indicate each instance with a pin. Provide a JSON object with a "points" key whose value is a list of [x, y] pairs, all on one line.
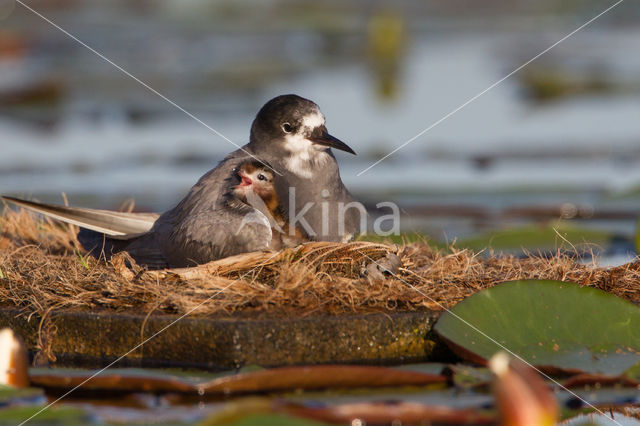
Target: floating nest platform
{"points": [[43, 267], [44, 271]]}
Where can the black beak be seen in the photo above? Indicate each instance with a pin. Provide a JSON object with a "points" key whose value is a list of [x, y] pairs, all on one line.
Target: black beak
{"points": [[321, 137]]}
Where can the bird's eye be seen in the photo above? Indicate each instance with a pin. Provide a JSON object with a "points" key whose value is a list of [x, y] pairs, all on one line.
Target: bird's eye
{"points": [[287, 127], [262, 177]]}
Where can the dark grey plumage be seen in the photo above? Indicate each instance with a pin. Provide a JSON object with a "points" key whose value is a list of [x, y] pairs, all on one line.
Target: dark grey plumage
{"points": [[208, 224], [315, 170], [287, 135], [197, 229]]}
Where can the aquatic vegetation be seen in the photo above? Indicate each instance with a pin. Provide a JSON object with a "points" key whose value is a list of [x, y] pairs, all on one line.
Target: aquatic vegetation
{"points": [[244, 382], [323, 393], [539, 237], [519, 239], [49, 416], [522, 397], [557, 326], [544, 85]]}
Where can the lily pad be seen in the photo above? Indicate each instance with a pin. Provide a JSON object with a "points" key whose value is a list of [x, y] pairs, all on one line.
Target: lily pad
{"points": [[255, 381], [554, 325], [10, 396], [48, 416]]}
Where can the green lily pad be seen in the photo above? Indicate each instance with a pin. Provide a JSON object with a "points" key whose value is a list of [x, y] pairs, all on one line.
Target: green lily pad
{"points": [[551, 324], [10, 395], [49, 416]]}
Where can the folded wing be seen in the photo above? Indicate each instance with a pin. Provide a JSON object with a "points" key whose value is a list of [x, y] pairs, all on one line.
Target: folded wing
{"points": [[117, 225]]}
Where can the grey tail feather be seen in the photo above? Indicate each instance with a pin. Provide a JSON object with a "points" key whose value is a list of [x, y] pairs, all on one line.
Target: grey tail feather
{"points": [[116, 225]]}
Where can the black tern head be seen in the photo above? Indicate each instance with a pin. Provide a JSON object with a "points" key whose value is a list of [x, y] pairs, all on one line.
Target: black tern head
{"points": [[294, 124]]}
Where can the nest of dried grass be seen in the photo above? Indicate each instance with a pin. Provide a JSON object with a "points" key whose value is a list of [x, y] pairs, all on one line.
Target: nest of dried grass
{"points": [[42, 267]]}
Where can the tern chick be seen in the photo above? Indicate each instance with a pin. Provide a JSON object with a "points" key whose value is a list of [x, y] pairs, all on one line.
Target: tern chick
{"points": [[257, 189]]}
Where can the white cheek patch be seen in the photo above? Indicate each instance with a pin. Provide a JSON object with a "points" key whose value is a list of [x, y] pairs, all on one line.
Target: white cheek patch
{"points": [[314, 120], [297, 144], [305, 155]]}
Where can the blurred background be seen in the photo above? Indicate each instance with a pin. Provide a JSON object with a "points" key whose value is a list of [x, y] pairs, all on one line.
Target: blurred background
{"points": [[554, 147]]}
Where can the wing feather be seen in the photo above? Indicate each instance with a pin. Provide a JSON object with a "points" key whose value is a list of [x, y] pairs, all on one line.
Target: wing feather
{"points": [[113, 224]]}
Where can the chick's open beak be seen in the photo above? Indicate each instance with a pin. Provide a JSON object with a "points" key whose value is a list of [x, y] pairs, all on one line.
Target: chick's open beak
{"points": [[320, 136], [244, 179]]}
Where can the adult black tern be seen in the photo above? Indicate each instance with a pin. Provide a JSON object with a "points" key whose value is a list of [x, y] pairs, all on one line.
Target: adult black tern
{"points": [[289, 133], [289, 147]]}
